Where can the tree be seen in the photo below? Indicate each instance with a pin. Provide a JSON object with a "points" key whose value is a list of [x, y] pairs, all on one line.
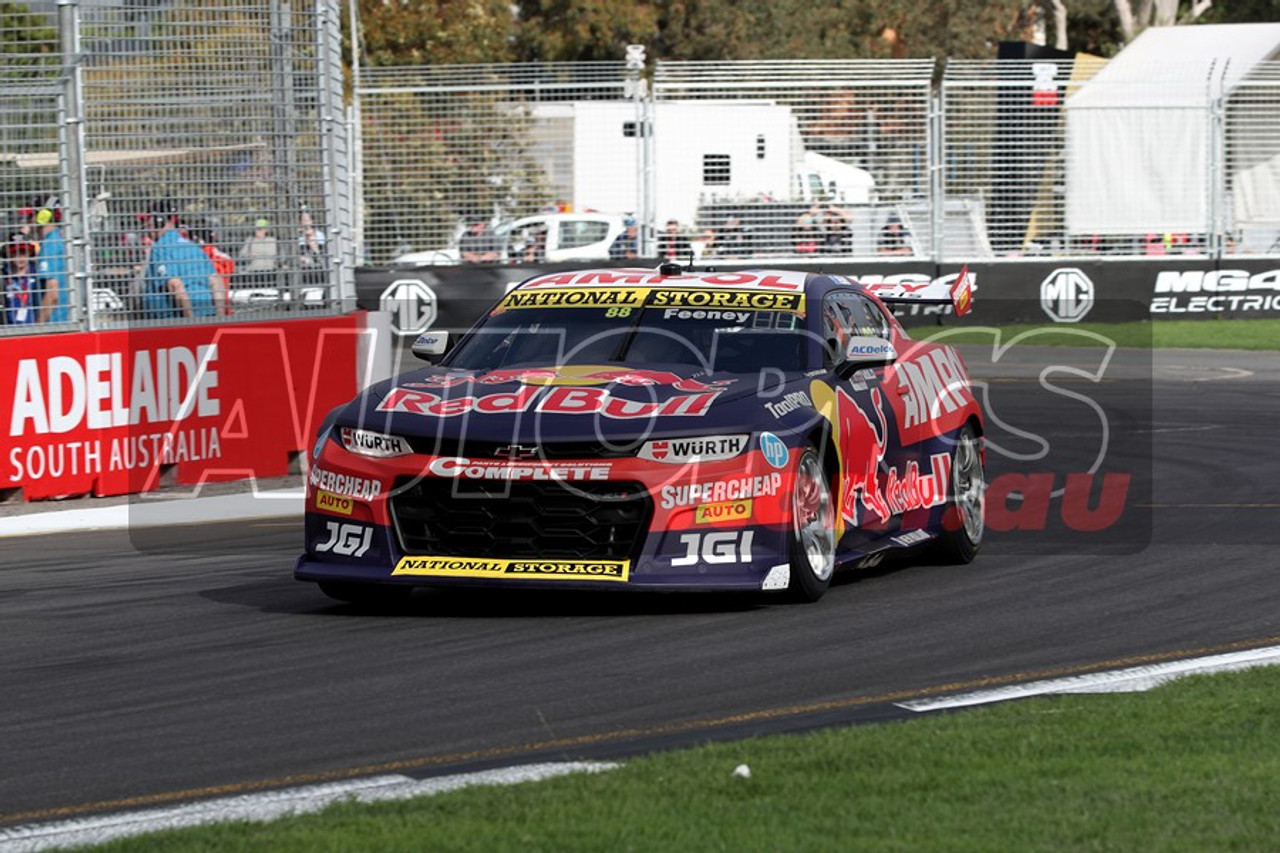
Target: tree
{"points": [[1136, 17], [581, 30], [429, 32]]}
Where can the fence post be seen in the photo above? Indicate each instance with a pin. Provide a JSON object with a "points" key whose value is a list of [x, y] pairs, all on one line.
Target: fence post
{"points": [[937, 153], [1217, 161], [71, 160], [635, 88]]}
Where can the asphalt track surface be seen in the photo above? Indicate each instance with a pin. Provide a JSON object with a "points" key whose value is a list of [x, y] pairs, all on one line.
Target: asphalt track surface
{"points": [[179, 663]]}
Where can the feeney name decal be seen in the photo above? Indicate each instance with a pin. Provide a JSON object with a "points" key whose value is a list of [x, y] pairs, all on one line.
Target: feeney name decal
{"points": [[557, 401], [467, 567]]}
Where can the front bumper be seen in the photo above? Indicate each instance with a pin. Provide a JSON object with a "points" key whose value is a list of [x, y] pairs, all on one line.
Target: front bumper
{"points": [[614, 524]]}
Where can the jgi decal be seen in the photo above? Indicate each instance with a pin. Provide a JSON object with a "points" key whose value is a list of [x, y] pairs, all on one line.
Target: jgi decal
{"points": [[730, 546], [347, 540]]}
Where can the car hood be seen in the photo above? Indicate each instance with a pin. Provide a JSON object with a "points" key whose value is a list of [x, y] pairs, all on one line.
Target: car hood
{"points": [[571, 403]]}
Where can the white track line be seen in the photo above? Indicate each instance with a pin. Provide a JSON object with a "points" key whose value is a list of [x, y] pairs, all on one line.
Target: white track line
{"points": [[1132, 680], [276, 503], [269, 805]]}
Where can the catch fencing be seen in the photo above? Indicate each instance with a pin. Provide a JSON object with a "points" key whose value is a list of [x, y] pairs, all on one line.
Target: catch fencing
{"points": [[230, 116], [808, 160]]}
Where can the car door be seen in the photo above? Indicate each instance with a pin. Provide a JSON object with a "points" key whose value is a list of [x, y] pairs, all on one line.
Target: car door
{"points": [[872, 457]]}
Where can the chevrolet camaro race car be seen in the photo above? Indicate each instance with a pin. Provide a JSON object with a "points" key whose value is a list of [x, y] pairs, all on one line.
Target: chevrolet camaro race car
{"points": [[655, 430]]}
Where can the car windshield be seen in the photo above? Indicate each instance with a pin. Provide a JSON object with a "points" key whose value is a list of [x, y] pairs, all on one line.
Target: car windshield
{"points": [[717, 341]]}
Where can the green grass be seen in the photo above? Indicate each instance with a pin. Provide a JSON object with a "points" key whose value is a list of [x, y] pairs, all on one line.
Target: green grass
{"points": [[1192, 766], [1263, 334]]}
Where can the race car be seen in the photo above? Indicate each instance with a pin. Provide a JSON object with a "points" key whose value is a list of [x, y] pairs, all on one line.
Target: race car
{"points": [[655, 430]]}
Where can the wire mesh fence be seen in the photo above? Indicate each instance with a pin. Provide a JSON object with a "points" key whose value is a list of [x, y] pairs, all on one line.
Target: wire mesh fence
{"points": [[808, 160], [188, 155]]}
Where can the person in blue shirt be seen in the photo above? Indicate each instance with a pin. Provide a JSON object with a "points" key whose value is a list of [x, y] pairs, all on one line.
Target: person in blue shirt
{"points": [[51, 268], [179, 280]]}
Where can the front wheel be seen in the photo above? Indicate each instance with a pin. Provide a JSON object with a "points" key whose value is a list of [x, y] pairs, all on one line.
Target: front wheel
{"points": [[963, 523], [813, 530]]}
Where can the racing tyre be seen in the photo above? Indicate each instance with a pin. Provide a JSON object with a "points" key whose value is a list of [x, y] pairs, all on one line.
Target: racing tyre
{"points": [[813, 530], [963, 522], [365, 593]]}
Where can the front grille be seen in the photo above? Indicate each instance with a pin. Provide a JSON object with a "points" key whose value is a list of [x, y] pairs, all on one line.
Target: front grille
{"points": [[475, 449], [521, 520]]}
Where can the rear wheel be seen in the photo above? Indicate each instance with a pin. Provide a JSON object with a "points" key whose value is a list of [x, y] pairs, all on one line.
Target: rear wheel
{"points": [[813, 530], [963, 522]]}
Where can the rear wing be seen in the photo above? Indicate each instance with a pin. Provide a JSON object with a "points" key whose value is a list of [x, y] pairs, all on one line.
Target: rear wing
{"points": [[958, 294]]}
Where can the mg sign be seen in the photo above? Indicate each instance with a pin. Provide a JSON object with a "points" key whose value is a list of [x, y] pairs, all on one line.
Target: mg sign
{"points": [[412, 305], [1066, 295]]}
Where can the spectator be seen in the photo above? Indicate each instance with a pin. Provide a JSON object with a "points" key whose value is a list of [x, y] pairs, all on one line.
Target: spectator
{"points": [[534, 247], [893, 238], [311, 242], [807, 232], [479, 245], [730, 241], [672, 246], [179, 280], [223, 265], [260, 252], [51, 266], [19, 284], [627, 244], [837, 238]]}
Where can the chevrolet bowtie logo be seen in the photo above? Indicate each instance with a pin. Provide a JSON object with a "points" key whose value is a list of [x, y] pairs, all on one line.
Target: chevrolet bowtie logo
{"points": [[515, 451]]}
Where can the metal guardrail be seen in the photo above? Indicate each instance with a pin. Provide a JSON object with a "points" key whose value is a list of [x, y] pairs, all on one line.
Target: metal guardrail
{"points": [[228, 116]]}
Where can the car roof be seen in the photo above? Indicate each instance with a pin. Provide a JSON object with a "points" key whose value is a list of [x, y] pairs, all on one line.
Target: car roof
{"points": [[787, 281]]}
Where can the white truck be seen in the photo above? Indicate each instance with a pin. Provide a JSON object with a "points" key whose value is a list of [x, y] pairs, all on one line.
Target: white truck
{"points": [[703, 151]]}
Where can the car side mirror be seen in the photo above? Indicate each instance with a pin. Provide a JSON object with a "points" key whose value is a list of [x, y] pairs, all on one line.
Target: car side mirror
{"points": [[429, 346], [866, 351]]}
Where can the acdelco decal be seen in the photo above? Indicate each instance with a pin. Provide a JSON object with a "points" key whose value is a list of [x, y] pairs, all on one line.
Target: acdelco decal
{"points": [[483, 469], [463, 567], [738, 488], [558, 401], [329, 502], [345, 484], [722, 512]]}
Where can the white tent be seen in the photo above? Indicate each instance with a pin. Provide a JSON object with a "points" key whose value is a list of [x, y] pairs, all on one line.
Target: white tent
{"points": [[1139, 143]]}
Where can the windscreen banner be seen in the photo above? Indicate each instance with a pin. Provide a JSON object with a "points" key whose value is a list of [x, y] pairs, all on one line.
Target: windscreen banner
{"points": [[120, 412]]}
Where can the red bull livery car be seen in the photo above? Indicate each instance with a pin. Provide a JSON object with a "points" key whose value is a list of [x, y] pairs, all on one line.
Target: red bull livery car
{"points": [[655, 430]]}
